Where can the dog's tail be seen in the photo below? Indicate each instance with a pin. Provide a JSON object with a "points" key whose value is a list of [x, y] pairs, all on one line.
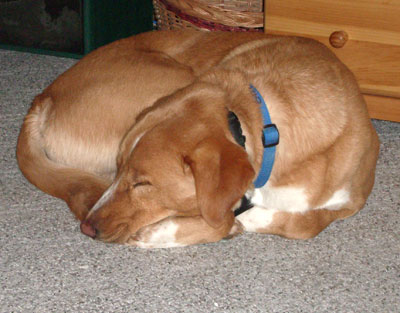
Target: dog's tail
{"points": [[78, 188]]}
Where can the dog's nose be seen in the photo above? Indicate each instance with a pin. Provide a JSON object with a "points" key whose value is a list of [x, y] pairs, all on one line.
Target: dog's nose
{"points": [[88, 229]]}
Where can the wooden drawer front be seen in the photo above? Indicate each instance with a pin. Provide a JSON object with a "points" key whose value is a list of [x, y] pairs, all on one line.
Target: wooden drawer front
{"points": [[372, 50], [383, 108]]}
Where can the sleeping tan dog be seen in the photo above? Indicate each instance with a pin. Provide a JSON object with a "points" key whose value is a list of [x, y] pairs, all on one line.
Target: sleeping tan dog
{"points": [[136, 139]]}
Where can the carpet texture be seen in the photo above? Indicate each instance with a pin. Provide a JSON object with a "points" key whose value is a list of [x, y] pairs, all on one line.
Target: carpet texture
{"points": [[47, 265]]}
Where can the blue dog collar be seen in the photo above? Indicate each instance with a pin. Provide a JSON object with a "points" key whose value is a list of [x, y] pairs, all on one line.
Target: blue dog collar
{"points": [[270, 139]]}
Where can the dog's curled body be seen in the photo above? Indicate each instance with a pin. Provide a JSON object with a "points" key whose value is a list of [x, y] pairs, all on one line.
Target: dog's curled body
{"points": [[138, 131]]}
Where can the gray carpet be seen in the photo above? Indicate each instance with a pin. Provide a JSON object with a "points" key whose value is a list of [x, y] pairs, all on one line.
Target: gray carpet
{"points": [[47, 265]]}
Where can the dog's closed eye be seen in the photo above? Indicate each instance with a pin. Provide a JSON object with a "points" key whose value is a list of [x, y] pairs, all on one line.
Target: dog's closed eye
{"points": [[142, 183]]}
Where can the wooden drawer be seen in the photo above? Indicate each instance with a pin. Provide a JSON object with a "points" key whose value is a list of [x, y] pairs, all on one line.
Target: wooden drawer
{"points": [[372, 50]]}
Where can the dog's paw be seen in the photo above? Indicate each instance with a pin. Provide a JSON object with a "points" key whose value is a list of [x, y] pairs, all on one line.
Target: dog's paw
{"points": [[158, 235], [237, 229]]}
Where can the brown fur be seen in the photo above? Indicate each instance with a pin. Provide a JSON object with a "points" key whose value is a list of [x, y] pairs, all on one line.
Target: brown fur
{"points": [[174, 90]]}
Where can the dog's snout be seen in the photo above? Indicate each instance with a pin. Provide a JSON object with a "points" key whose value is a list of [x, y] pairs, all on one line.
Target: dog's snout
{"points": [[88, 229]]}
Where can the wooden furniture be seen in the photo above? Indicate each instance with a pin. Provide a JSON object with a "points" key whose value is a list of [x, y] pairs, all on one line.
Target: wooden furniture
{"points": [[364, 34]]}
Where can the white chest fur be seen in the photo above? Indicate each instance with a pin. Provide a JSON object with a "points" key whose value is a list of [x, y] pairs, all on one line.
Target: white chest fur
{"points": [[288, 199], [294, 199], [270, 200]]}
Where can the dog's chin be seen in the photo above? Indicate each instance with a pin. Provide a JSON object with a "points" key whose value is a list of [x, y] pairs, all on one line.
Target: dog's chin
{"points": [[122, 234], [119, 235], [155, 235]]}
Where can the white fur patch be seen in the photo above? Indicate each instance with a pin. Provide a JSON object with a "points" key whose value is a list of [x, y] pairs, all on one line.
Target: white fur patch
{"points": [[136, 142], [256, 218], [107, 195], [286, 199], [270, 200], [162, 235], [336, 202]]}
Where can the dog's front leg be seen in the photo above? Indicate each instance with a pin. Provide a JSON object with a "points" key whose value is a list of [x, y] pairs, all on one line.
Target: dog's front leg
{"points": [[293, 225], [183, 231]]}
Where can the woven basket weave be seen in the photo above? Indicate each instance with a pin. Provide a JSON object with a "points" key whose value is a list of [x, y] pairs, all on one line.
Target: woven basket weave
{"points": [[225, 15]]}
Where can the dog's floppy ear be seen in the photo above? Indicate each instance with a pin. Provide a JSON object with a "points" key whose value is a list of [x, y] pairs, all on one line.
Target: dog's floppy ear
{"points": [[222, 174]]}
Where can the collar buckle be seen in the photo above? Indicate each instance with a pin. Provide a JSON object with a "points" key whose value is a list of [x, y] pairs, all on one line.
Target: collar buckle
{"points": [[270, 136]]}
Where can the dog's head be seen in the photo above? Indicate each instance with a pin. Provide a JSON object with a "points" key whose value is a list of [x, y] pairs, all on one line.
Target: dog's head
{"points": [[179, 159]]}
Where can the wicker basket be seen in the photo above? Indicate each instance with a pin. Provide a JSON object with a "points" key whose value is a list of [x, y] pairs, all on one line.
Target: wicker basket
{"points": [[213, 15]]}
